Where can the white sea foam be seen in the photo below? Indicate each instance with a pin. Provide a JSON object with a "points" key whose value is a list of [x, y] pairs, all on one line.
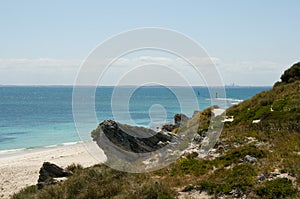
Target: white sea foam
{"points": [[224, 99], [12, 150], [41, 147]]}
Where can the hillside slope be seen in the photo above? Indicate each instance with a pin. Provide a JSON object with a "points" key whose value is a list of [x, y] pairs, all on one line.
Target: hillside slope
{"points": [[275, 110]]}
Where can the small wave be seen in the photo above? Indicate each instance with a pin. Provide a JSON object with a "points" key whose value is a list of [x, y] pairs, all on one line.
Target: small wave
{"points": [[38, 147], [231, 99], [12, 150], [52, 146], [63, 144], [71, 143], [225, 99]]}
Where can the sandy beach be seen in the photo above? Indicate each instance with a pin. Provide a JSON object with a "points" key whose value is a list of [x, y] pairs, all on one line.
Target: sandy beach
{"points": [[21, 169]]}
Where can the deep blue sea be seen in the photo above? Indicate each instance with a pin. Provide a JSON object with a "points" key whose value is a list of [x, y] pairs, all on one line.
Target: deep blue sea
{"points": [[40, 116]]}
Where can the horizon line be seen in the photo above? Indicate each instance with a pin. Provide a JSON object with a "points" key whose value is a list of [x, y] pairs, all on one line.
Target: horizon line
{"points": [[72, 85]]}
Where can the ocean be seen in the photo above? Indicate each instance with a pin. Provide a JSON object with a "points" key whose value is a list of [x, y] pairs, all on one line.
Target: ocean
{"points": [[41, 116]]}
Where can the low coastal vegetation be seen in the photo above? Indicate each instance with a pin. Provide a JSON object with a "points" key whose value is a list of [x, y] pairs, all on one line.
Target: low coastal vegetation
{"points": [[253, 160]]}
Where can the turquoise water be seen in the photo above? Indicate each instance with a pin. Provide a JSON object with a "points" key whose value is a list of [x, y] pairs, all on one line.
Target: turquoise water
{"points": [[32, 117]]}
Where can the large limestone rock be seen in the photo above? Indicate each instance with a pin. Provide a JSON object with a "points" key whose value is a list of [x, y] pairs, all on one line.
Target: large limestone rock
{"points": [[145, 140], [129, 142]]}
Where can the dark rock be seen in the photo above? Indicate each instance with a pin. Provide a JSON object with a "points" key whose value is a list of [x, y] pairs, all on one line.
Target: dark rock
{"points": [[122, 138], [198, 138], [117, 140], [50, 171], [263, 177], [180, 119], [219, 145], [168, 127]]}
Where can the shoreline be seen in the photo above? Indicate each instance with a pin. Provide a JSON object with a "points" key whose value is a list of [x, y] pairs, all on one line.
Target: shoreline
{"points": [[12, 152], [20, 168]]}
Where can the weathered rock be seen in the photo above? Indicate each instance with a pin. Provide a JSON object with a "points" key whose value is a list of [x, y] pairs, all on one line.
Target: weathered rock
{"points": [[117, 140], [50, 171], [250, 159], [220, 145], [179, 119], [237, 193], [198, 138], [196, 113], [263, 176], [274, 174], [168, 127], [120, 136]]}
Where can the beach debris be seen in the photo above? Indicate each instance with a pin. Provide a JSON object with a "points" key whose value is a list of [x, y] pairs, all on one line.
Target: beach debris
{"points": [[49, 172]]}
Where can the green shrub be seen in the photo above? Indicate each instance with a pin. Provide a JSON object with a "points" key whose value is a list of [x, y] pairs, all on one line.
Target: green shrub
{"points": [[192, 166], [74, 167], [188, 188], [101, 182], [278, 188], [27, 192], [292, 74], [240, 177], [234, 155], [207, 185]]}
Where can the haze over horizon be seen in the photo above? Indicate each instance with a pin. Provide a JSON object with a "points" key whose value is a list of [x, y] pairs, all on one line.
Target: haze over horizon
{"points": [[44, 43]]}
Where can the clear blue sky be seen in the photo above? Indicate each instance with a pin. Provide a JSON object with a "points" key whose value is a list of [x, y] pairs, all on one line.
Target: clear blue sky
{"points": [[253, 40]]}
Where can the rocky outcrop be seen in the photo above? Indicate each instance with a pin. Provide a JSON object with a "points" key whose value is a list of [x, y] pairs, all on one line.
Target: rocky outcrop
{"points": [[49, 172], [179, 119], [146, 140], [168, 127], [120, 141]]}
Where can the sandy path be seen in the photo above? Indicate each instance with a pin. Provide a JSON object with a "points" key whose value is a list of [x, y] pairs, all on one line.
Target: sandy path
{"points": [[20, 169]]}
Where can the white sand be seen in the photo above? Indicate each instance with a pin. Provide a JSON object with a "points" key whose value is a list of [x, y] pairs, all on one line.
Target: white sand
{"points": [[218, 111], [20, 169]]}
